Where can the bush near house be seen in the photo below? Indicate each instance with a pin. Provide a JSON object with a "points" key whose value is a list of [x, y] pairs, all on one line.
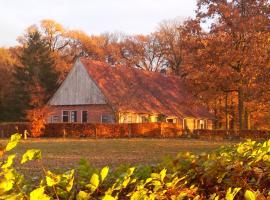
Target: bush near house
{"points": [[237, 172]]}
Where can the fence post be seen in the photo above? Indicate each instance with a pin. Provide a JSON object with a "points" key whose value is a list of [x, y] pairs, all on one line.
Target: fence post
{"points": [[64, 133], [129, 130], [161, 130], [96, 131]]}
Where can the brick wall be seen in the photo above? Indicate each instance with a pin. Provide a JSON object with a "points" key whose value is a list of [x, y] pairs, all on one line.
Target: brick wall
{"points": [[94, 112]]}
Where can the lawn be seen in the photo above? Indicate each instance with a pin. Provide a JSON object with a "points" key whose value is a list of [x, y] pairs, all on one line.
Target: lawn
{"points": [[66, 153]]}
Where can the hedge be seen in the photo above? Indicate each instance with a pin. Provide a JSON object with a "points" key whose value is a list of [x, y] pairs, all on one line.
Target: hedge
{"points": [[151, 130]]}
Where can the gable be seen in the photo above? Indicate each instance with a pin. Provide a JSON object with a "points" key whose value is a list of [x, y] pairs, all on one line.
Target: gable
{"points": [[78, 89]]}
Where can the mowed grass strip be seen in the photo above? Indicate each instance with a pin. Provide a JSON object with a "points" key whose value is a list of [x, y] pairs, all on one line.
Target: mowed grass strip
{"points": [[65, 153]]}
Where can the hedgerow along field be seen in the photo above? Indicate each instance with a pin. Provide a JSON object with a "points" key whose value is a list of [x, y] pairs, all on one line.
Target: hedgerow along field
{"points": [[240, 171]]}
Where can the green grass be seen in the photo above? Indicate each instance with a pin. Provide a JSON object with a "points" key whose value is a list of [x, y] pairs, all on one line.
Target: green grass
{"points": [[66, 153]]}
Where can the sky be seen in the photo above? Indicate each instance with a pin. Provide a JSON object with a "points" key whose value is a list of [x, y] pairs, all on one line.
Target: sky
{"points": [[91, 16]]}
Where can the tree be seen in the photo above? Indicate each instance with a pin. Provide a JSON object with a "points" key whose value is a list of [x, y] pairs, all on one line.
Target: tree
{"points": [[237, 46], [7, 61], [171, 42], [37, 68], [143, 52]]}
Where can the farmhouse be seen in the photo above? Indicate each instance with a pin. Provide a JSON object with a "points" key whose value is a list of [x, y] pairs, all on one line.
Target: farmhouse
{"points": [[94, 92]]}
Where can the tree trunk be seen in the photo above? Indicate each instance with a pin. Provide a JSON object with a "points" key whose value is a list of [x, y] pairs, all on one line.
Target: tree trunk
{"points": [[233, 113], [216, 117], [226, 112], [247, 120], [240, 108]]}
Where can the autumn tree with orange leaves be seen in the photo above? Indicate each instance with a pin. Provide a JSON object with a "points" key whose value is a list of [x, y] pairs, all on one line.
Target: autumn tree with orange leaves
{"points": [[235, 54], [35, 79]]}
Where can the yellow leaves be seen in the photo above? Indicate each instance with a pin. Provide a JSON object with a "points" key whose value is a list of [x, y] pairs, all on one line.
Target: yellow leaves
{"points": [[94, 182], [108, 197], [52, 179], [9, 161], [39, 194], [32, 154], [83, 196], [249, 195], [6, 185], [15, 138], [232, 193], [51, 26], [104, 173]]}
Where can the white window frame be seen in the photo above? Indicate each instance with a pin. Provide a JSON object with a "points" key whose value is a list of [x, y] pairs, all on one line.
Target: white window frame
{"points": [[65, 115], [70, 113]]}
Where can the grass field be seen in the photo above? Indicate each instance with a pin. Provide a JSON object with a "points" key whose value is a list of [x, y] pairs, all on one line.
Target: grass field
{"points": [[66, 153]]}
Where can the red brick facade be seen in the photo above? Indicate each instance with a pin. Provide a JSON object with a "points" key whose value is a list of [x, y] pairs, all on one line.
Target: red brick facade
{"points": [[94, 113]]}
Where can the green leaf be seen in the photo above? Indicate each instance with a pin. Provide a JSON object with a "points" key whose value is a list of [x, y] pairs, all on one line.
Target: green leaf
{"points": [[104, 173], [52, 179], [14, 139], [32, 154], [69, 179], [249, 195], [39, 194], [130, 171], [83, 196], [9, 161]]}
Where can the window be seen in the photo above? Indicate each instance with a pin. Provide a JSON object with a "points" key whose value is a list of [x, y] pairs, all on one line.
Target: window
{"points": [[129, 119], [84, 116], [65, 116], [185, 124], [170, 120], [201, 124], [144, 119], [73, 116], [154, 119], [55, 119], [105, 119]]}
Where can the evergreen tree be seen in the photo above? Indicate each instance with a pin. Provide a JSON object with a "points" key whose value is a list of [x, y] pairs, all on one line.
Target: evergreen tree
{"points": [[37, 69]]}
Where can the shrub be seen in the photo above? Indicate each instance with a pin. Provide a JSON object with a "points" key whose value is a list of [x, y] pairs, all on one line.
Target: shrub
{"points": [[238, 172]]}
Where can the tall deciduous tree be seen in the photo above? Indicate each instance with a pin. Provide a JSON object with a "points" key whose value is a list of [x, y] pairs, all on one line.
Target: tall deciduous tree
{"points": [[143, 52], [7, 61], [238, 47], [171, 42]]}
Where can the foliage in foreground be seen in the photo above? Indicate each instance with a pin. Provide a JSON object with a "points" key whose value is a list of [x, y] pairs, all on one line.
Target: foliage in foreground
{"points": [[238, 172]]}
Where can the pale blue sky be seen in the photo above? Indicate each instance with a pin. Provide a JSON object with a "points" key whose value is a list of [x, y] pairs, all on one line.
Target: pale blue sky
{"points": [[91, 16]]}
